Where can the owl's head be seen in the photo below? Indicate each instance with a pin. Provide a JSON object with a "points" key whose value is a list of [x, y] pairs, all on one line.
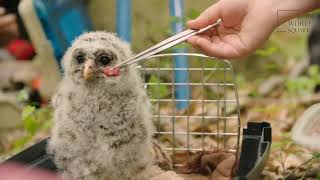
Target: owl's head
{"points": [[91, 53]]}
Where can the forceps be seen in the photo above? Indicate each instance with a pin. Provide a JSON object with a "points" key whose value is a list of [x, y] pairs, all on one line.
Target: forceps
{"points": [[165, 44]]}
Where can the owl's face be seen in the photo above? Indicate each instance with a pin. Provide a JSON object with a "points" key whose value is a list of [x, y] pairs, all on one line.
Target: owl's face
{"points": [[91, 53]]}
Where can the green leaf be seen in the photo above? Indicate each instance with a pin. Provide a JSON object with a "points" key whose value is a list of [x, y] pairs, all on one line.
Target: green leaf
{"points": [[19, 144], [193, 13], [316, 156], [30, 124], [23, 96], [313, 70], [47, 125], [44, 114], [30, 119], [253, 93], [157, 91], [314, 73], [300, 85], [267, 51], [27, 111]]}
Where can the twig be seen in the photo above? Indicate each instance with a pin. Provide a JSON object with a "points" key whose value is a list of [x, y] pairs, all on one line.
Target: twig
{"points": [[270, 84], [292, 172]]}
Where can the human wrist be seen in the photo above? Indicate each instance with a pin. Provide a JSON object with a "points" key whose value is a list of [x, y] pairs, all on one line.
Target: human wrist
{"points": [[285, 10]]}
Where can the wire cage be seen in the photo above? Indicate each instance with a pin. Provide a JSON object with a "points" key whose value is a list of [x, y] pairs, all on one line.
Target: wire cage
{"points": [[211, 119]]}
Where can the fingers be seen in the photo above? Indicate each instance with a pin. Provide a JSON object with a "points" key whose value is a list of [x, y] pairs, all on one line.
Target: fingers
{"points": [[209, 16], [209, 48], [203, 44], [213, 47], [210, 33]]}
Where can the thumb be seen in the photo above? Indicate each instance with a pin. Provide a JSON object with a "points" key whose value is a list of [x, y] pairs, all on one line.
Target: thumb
{"points": [[206, 18]]}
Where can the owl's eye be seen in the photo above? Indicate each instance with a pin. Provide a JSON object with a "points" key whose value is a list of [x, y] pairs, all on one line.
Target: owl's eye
{"points": [[80, 59], [104, 60]]}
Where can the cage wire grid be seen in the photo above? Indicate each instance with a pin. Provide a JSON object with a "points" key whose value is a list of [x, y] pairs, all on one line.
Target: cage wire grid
{"points": [[215, 126]]}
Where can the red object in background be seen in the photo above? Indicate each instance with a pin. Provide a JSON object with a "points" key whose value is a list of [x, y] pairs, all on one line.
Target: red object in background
{"points": [[36, 83], [21, 49], [111, 71], [36, 91]]}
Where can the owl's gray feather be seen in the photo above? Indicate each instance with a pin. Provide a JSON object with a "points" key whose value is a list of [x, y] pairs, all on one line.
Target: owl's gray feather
{"points": [[102, 126]]}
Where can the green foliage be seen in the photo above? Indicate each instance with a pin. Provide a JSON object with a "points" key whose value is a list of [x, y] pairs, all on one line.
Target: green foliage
{"points": [[241, 80], [304, 84], [254, 93], [23, 96], [300, 85], [192, 14], [175, 19], [181, 46], [157, 91], [267, 51], [272, 66], [314, 73], [30, 122], [313, 13], [34, 120], [19, 144], [283, 144]]}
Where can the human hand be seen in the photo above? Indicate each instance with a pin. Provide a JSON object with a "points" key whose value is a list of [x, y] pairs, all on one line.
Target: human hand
{"points": [[8, 27], [14, 171], [246, 25]]}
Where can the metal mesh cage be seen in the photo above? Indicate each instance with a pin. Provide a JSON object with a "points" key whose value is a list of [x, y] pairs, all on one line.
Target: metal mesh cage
{"points": [[210, 117]]}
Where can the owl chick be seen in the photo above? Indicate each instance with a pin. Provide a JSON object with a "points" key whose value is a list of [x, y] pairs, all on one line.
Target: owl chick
{"points": [[102, 125]]}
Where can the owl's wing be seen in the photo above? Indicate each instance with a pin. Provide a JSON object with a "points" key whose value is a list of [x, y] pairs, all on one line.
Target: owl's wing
{"points": [[57, 98]]}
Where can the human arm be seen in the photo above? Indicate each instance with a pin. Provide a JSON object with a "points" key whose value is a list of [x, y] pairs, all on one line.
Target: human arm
{"points": [[246, 24]]}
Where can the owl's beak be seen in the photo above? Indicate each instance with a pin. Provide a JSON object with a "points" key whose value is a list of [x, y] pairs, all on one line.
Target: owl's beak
{"points": [[88, 69]]}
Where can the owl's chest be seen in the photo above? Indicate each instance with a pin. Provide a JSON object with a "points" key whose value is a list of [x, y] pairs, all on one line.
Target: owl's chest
{"points": [[104, 107]]}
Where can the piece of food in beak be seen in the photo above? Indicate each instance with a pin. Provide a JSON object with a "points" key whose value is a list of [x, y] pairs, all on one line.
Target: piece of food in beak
{"points": [[111, 71], [88, 69]]}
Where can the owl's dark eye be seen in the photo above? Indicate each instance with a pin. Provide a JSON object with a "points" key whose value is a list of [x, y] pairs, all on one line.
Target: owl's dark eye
{"points": [[80, 59], [104, 60]]}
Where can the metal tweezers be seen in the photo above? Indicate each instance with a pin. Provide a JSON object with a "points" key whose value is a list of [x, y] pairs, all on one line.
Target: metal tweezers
{"points": [[165, 44]]}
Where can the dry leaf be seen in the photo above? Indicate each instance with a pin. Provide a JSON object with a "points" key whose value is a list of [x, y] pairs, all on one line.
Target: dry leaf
{"points": [[169, 175]]}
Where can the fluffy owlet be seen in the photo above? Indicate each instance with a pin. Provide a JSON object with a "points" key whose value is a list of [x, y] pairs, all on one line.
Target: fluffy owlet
{"points": [[102, 125]]}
